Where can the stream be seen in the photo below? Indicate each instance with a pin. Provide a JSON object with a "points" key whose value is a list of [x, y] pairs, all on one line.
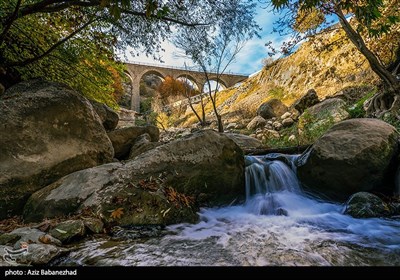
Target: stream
{"points": [[277, 225]]}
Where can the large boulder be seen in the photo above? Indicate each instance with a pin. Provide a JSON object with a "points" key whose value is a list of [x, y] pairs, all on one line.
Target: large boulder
{"points": [[123, 139], [353, 156], [323, 115], [109, 118], [161, 186], [48, 131], [272, 108], [366, 205], [306, 101]]}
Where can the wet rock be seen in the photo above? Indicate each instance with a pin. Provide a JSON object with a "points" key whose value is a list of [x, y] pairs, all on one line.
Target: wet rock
{"points": [[93, 225], [123, 139], [48, 131], [9, 238], [366, 205], [69, 231], [272, 108], [257, 122], [353, 156], [35, 254], [32, 235]]}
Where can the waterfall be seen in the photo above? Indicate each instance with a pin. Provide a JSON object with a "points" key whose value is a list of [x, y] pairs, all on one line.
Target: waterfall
{"points": [[277, 225], [267, 176]]}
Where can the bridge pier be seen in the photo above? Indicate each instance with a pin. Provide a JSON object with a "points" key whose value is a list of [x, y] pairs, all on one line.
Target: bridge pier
{"points": [[135, 99]]}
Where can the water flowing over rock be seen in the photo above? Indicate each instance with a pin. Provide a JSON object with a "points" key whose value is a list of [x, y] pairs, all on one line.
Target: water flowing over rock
{"points": [[47, 131], [279, 224], [158, 187], [354, 155], [266, 176]]}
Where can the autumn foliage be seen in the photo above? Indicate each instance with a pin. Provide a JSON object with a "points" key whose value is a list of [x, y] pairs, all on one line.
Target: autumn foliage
{"points": [[173, 87]]}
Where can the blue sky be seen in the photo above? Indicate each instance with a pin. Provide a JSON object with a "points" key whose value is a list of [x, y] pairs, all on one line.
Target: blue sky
{"points": [[248, 61]]}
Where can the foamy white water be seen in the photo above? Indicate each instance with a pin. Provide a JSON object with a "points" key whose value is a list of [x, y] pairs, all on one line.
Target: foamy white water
{"points": [[278, 225]]}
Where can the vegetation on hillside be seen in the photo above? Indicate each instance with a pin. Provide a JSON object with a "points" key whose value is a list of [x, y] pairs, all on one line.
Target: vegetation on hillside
{"points": [[373, 20]]}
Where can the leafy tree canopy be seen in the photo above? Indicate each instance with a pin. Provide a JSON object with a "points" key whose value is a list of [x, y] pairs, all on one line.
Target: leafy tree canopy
{"points": [[76, 41]]}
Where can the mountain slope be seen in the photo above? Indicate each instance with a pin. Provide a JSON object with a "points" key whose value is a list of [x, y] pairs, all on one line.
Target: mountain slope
{"points": [[327, 64]]}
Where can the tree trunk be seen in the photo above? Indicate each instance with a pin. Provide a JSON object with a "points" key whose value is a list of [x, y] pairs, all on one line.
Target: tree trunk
{"points": [[358, 41], [220, 124]]}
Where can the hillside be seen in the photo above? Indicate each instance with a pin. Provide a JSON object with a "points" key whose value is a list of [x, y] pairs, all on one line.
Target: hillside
{"points": [[328, 64]]}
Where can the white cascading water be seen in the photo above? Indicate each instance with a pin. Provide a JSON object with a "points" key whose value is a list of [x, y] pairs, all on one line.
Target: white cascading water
{"points": [[277, 225], [265, 180]]}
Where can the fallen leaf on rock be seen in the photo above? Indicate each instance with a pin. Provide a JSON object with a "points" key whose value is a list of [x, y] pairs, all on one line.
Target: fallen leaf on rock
{"points": [[61, 231], [117, 213], [45, 239]]}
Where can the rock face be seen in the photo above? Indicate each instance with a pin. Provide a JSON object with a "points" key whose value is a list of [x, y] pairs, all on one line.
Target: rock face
{"points": [[366, 205], [306, 101], [122, 139], [354, 155], [47, 131], [272, 108], [158, 187], [108, 117]]}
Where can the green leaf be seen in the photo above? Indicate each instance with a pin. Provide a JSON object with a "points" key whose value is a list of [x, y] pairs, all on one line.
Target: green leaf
{"points": [[61, 231]]}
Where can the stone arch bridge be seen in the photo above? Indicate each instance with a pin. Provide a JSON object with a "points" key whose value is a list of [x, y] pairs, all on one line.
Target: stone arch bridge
{"points": [[136, 71]]}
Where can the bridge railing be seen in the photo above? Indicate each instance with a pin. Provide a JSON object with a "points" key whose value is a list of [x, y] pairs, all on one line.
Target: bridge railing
{"points": [[189, 68]]}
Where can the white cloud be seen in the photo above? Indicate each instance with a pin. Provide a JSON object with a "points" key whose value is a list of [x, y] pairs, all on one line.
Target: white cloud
{"points": [[248, 61]]}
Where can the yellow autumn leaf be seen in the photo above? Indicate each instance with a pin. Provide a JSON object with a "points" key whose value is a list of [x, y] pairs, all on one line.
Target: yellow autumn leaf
{"points": [[117, 213]]}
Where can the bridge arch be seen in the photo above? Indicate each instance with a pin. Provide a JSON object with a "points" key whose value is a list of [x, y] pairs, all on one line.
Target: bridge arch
{"points": [[213, 80], [137, 70], [152, 72], [191, 79]]}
